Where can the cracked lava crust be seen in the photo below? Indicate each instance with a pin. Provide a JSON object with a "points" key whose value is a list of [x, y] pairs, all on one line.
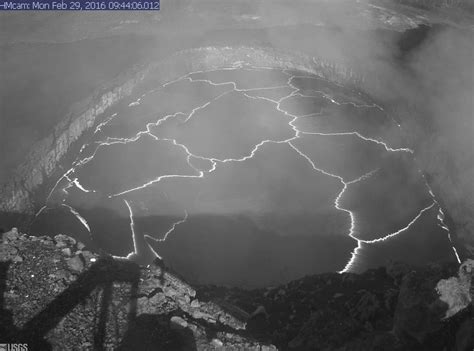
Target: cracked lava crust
{"points": [[249, 176]]}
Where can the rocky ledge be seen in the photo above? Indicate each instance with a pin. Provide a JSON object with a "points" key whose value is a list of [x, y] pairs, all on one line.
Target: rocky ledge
{"points": [[58, 295]]}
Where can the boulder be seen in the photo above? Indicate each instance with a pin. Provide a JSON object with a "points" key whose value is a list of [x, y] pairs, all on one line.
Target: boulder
{"points": [[456, 291], [75, 264], [12, 235]]}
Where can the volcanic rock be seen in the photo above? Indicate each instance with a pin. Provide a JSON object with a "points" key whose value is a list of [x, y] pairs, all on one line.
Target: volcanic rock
{"points": [[86, 301], [458, 292], [419, 311], [75, 264]]}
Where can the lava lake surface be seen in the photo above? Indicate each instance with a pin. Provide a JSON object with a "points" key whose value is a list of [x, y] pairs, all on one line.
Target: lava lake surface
{"points": [[249, 176]]}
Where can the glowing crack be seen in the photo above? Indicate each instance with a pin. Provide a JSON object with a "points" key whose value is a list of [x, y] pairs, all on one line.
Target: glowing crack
{"points": [[354, 254], [440, 217], [142, 252], [345, 185], [387, 148], [78, 216], [388, 236], [102, 124], [149, 238]]}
